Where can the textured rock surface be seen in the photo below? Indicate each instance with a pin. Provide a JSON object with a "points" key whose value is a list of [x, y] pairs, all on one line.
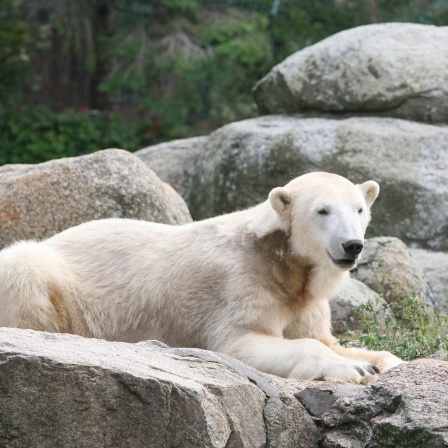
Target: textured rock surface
{"points": [[235, 171], [243, 161], [319, 399], [64, 390], [37, 201], [398, 68], [407, 407], [174, 162], [435, 267], [387, 267], [352, 295]]}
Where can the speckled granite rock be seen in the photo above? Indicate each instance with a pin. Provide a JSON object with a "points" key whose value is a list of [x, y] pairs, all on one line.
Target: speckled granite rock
{"points": [[37, 201], [387, 267], [174, 162], [243, 161], [399, 69], [60, 390], [354, 294], [435, 267], [406, 408]]}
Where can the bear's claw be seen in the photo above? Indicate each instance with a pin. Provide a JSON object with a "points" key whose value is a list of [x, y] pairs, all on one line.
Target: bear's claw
{"points": [[373, 369]]}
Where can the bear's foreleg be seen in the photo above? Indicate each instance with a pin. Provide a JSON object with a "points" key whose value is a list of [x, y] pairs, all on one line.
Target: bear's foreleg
{"points": [[302, 359], [382, 359]]}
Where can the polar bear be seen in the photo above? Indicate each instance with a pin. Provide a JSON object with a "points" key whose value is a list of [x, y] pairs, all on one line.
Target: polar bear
{"points": [[253, 284]]}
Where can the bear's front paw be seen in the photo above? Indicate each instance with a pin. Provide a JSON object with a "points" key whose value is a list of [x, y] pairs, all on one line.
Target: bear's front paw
{"points": [[357, 372]]}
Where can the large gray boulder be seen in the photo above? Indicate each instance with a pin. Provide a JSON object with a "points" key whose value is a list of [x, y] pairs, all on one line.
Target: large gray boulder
{"points": [[407, 407], [174, 162], [387, 267], [435, 268], [397, 69], [60, 390], [243, 161], [236, 169], [343, 306], [37, 201]]}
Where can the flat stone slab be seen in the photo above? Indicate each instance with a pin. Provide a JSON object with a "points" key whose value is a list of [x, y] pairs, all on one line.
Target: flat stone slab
{"points": [[390, 69], [64, 390]]}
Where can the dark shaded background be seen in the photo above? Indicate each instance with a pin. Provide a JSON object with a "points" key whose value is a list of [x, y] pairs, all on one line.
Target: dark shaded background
{"points": [[77, 76]]}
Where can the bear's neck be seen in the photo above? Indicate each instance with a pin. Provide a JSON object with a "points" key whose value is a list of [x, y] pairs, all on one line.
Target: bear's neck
{"points": [[297, 277]]}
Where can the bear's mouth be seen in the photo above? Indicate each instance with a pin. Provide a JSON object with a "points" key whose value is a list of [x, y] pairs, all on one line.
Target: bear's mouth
{"points": [[343, 262]]}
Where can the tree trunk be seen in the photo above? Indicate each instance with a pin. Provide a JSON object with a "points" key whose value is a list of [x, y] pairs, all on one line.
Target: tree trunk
{"points": [[103, 31]]}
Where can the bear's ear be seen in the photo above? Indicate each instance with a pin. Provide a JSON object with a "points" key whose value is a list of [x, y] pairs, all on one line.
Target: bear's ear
{"points": [[280, 199], [370, 191]]}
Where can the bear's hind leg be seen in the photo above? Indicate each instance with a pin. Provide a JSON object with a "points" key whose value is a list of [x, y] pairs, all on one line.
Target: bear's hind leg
{"points": [[31, 285]]}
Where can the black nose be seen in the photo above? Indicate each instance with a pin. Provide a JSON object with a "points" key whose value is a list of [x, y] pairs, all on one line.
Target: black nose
{"points": [[353, 247]]}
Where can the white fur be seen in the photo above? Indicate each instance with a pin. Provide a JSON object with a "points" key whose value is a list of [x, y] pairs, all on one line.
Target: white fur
{"points": [[253, 284]]}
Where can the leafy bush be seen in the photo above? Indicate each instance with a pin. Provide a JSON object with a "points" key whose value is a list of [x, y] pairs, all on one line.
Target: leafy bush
{"points": [[35, 134], [191, 75], [410, 333], [14, 58]]}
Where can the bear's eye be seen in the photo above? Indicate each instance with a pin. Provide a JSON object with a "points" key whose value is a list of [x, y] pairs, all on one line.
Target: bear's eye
{"points": [[360, 211], [323, 211]]}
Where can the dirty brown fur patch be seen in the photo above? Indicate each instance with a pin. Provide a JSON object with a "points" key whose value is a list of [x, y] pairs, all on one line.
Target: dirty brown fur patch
{"points": [[286, 273], [63, 316]]}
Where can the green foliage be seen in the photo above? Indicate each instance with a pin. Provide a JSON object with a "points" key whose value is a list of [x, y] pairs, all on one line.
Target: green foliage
{"points": [[187, 66], [300, 23], [35, 134], [410, 333], [179, 6], [14, 57], [191, 75]]}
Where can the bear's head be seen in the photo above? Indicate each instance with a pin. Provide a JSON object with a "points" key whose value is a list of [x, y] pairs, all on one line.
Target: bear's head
{"points": [[325, 217]]}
